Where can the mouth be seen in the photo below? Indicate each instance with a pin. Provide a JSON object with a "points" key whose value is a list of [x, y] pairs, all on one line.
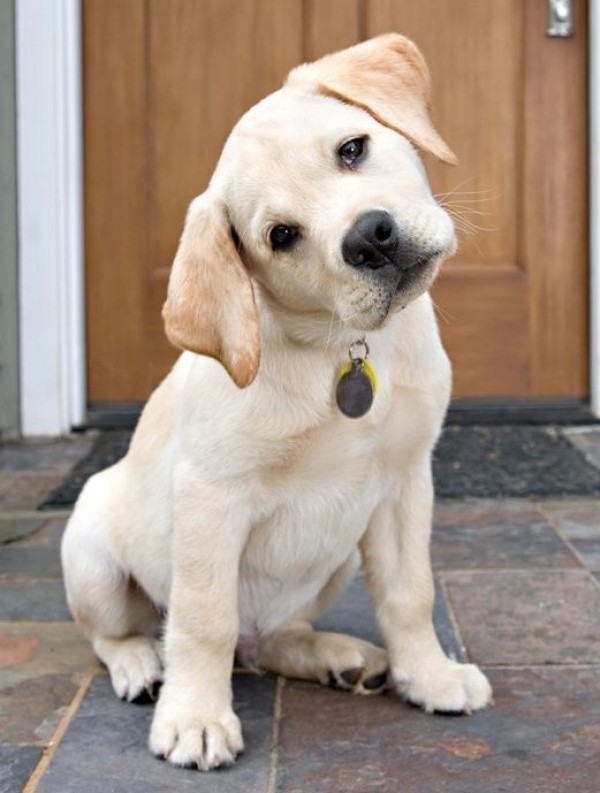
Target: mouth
{"points": [[408, 277], [392, 287]]}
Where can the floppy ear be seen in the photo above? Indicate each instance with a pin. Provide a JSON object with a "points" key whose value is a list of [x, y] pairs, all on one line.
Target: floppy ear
{"points": [[387, 76], [210, 306]]}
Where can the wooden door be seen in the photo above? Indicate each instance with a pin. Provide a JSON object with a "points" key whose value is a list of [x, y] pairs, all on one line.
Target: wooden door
{"points": [[165, 80]]}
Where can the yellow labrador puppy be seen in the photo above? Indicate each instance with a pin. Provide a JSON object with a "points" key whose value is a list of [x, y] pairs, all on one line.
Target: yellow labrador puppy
{"points": [[292, 440]]}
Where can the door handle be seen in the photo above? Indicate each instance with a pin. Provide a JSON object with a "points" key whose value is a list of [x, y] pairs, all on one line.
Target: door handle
{"points": [[560, 18]]}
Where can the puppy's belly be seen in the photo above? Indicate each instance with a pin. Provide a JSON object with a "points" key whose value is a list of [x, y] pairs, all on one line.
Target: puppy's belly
{"points": [[290, 557]]}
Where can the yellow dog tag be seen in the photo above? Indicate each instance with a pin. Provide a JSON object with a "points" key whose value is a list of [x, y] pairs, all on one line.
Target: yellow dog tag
{"points": [[356, 387]]}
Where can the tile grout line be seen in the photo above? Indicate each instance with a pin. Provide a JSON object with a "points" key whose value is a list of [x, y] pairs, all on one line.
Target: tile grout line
{"points": [[274, 753], [452, 572], [454, 620], [57, 736], [555, 523]]}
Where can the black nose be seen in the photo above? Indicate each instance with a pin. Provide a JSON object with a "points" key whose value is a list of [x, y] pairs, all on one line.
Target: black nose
{"points": [[375, 240], [372, 241]]}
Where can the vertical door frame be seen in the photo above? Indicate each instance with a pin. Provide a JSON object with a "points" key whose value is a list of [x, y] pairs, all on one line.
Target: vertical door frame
{"points": [[50, 215], [50, 179]]}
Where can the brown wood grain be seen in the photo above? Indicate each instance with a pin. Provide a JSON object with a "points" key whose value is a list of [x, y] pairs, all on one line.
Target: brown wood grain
{"points": [[482, 315], [207, 63], [554, 229], [511, 102], [165, 80], [116, 218], [331, 25], [473, 50]]}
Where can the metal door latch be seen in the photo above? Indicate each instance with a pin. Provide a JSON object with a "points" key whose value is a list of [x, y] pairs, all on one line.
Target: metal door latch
{"points": [[560, 18]]}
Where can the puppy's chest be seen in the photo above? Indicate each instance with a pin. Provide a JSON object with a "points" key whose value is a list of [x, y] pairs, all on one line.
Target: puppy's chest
{"points": [[315, 506], [332, 460], [315, 503]]}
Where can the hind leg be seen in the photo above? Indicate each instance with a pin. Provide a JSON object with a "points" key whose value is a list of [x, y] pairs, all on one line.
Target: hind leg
{"points": [[298, 651], [335, 659], [114, 613]]}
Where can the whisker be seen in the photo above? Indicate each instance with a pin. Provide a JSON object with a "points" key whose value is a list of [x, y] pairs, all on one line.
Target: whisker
{"points": [[469, 225], [462, 207], [463, 198], [463, 221], [484, 194], [444, 315], [459, 185]]}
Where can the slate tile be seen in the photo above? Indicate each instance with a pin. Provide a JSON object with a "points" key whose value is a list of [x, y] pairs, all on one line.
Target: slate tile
{"points": [[49, 535], [25, 491], [48, 455], [444, 626], [589, 551], [474, 511], [16, 765], [30, 711], [587, 440], [353, 614], [542, 735], [12, 529], [580, 524], [33, 600], [495, 536], [105, 748], [34, 649], [30, 563], [527, 618], [41, 666]]}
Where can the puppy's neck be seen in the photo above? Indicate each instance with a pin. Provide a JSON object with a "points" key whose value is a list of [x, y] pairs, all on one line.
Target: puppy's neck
{"points": [[318, 329]]}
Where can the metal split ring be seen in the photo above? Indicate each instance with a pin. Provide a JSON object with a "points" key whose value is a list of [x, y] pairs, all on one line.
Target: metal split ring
{"points": [[352, 350]]}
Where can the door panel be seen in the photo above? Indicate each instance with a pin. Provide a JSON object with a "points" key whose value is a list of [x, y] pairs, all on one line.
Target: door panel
{"points": [[475, 60], [511, 102], [195, 97], [165, 80], [554, 225]]}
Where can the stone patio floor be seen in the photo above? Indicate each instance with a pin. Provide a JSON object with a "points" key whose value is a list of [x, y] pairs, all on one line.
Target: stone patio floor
{"points": [[518, 591]]}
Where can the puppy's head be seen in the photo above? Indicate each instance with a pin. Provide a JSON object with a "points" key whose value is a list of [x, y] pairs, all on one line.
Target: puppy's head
{"points": [[321, 195]]}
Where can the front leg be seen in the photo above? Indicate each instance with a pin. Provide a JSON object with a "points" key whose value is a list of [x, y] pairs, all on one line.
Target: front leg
{"points": [[397, 564], [194, 724]]}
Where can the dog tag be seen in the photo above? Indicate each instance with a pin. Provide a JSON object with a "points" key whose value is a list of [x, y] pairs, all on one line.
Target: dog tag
{"points": [[357, 384]]}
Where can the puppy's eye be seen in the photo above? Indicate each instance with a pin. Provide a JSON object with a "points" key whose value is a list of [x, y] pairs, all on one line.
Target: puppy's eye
{"points": [[352, 151], [283, 237]]}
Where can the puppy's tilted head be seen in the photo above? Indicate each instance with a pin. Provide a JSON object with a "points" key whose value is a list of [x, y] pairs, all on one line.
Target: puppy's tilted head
{"points": [[320, 194]]}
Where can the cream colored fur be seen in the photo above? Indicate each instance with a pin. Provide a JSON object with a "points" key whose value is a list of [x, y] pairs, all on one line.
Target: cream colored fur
{"points": [[242, 513]]}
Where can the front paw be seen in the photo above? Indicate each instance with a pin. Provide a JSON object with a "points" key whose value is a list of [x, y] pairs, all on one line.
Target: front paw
{"points": [[449, 687], [185, 737]]}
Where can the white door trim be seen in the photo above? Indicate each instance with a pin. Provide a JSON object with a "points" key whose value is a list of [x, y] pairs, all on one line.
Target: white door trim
{"points": [[50, 207]]}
